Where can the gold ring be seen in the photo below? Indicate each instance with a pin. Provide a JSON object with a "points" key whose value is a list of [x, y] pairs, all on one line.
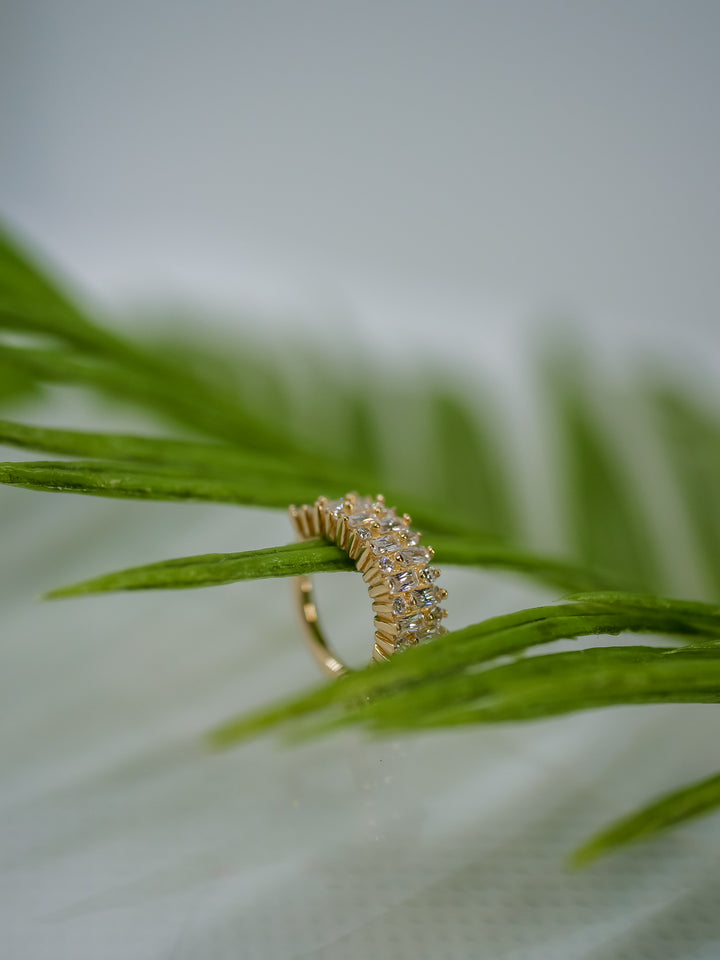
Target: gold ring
{"points": [[401, 583]]}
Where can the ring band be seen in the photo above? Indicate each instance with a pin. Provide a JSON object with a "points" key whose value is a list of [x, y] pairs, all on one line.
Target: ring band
{"points": [[395, 567]]}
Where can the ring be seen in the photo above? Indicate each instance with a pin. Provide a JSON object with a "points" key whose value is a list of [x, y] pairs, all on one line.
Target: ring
{"points": [[401, 584]]}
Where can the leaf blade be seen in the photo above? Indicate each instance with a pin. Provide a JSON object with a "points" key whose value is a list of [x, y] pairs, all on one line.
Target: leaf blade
{"points": [[413, 690], [130, 481], [212, 570], [468, 465], [679, 806], [606, 515], [213, 458], [691, 436], [474, 551], [32, 300]]}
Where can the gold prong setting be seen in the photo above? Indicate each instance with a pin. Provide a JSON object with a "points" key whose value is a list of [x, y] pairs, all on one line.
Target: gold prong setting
{"points": [[396, 567]]}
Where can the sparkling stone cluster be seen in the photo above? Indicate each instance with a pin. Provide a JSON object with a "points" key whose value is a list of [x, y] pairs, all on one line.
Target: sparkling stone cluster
{"points": [[406, 599]]}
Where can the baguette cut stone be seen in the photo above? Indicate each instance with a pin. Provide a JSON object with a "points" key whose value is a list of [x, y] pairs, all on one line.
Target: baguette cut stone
{"points": [[415, 556], [390, 523], [386, 564], [425, 597], [401, 582], [386, 544], [362, 518], [412, 624], [429, 632]]}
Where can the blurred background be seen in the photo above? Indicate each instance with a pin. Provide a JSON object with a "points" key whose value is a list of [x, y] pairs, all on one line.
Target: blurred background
{"points": [[446, 170], [435, 190]]}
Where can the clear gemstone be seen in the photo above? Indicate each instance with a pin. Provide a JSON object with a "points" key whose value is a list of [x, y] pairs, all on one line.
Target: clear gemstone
{"points": [[429, 632], [363, 533], [425, 597], [334, 507], [403, 581], [413, 624], [429, 574], [413, 556], [384, 544], [390, 523], [411, 539], [399, 606], [386, 564], [364, 516], [436, 614]]}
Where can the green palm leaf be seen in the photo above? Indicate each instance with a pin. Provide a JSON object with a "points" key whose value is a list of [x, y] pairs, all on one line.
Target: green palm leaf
{"points": [[247, 429], [606, 512], [693, 801]]}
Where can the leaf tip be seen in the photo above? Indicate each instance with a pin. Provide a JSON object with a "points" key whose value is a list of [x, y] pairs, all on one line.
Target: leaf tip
{"points": [[59, 593], [231, 734], [584, 855], [62, 593]]}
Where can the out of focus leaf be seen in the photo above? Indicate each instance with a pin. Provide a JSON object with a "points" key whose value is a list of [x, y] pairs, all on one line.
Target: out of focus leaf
{"points": [[247, 476], [605, 508], [472, 550], [14, 383], [32, 301], [203, 458], [469, 466], [679, 806], [692, 439]]}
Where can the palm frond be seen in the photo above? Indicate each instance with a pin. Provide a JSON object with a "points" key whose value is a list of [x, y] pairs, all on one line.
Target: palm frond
{"points": [[691, 435], [457, 680], [605, 509], [237, 428]]}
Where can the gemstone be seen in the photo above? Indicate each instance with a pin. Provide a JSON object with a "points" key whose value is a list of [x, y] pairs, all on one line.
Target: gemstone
{"points": [[429, 574], [363, 533], [414, 556], [412, 624], [364, 516], [411, 539], [334, 507], [384, 544], [429, 632], [390, 523], [425, 597], [403, 581], [436, 614], [386, 564], [399, 606]]}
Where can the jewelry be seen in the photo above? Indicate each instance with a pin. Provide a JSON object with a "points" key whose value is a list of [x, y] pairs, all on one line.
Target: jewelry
{"points": [[401, 584]]}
